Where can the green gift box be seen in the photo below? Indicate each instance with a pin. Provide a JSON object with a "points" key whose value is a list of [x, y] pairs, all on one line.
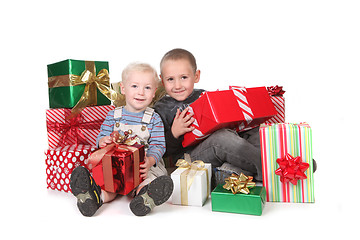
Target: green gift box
{"points": [[69, 79], [223, 200]]}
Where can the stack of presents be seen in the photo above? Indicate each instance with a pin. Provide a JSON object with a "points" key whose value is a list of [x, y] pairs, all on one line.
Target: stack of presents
{"points": [[80, 97]]}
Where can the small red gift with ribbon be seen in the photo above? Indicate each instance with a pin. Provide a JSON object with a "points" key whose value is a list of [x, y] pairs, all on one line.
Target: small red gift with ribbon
{"points": [[291, 169], [116, 167]]}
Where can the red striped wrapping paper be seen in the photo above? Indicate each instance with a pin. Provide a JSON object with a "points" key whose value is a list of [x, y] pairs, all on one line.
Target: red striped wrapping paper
{"points": [[84, 129], [279, 103], [60, 162]]}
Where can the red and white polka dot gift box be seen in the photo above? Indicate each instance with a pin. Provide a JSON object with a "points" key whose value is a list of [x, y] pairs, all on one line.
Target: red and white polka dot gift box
{"points": [[61, 161]]}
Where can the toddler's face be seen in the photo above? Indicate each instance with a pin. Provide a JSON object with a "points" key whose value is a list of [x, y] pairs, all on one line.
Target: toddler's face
{"points": [[139, 90], [179, 78]]}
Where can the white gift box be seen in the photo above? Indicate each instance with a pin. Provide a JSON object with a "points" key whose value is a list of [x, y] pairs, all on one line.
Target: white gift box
{"points": [[199, 189]]}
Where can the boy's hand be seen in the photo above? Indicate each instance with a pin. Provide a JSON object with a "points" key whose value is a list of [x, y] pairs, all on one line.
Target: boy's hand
{"points": [[105, 141], [144, 168], [182, 123]]}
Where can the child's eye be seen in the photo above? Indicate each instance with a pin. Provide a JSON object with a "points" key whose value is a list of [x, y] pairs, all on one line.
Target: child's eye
{"points": [[148, 88], [134, 86], [184, 77], [170, 79]]}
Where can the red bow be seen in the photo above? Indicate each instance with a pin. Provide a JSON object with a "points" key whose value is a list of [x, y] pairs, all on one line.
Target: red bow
{"points": [[275, 91], [291, 169]]}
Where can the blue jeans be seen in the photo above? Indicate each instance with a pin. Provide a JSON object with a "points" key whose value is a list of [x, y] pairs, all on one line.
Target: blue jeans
{"points": [[239, 149]]}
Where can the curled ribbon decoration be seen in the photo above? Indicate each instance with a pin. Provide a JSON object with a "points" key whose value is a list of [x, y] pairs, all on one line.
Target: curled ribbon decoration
{"points": [[275, 90], [291, 169], [239, 183], [187, 177]]}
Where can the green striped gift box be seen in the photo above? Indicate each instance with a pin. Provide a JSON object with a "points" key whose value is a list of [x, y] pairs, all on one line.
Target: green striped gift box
{"points": [[280, 139]]}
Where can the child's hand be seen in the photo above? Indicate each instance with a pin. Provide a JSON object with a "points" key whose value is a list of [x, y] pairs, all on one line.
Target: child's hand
{"points": [[144, 168], [182, 123], [105, 141]]}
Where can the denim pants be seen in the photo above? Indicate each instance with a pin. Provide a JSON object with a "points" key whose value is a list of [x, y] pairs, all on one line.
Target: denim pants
{"points": [[238, 149]]}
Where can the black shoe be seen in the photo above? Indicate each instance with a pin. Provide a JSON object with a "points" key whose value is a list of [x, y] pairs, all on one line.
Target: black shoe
{"points": [[154, 194], [86, 191]]}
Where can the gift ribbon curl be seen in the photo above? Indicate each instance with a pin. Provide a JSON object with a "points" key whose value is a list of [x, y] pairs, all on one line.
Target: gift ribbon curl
{"points": [[291, 169], [275, 91], [239, 183], [187, 177]]}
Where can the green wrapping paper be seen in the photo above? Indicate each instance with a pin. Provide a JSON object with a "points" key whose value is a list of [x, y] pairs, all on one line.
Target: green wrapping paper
{"points": [[61, 93], [223, 200]]}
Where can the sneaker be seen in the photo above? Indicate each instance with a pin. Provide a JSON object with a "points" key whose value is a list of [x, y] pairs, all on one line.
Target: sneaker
{"points": [[154, 194], [86, 191]]}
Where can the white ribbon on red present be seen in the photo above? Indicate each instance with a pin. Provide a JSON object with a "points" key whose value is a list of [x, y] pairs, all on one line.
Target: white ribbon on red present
{"points": [[240, 94]]}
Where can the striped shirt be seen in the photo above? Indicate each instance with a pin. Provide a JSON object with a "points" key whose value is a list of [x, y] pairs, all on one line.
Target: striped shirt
{"points": [[156, 140]]}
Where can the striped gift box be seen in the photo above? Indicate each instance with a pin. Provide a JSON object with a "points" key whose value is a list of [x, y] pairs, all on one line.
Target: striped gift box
{"points": [[82, 129], [279, 103], [280, 139]]}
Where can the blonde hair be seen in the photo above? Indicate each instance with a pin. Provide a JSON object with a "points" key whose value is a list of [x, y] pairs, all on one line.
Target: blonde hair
{"points": [[177, 54], [139, 67]]}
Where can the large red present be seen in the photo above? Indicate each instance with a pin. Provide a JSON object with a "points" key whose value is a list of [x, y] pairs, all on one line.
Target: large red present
{"points": [[236, 108], [116, 168], [60, 163], [82, 129]]}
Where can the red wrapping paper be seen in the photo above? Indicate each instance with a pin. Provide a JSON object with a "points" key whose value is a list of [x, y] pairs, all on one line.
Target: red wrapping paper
{"points": [[237, 108], [82, 129], [60, 163], [118, 170]]}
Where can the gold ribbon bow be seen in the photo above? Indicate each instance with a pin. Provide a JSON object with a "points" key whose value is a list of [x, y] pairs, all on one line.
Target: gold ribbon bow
{"points": [[187, 177], [237, 183]]}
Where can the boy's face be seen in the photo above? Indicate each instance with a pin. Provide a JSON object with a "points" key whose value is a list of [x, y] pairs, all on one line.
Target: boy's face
{"points": [[139, 90], [179, 78]]}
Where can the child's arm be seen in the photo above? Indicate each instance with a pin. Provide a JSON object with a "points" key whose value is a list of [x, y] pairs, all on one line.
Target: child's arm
{"points": [[105, 141], [182, 123], [144, 168]]}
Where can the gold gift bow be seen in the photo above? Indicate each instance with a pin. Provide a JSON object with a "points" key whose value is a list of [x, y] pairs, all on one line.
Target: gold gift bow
{"points": [[191, 169], [237, 183], [92, 81]]}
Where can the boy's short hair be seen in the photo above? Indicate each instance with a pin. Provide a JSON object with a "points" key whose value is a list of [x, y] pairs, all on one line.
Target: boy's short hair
{"points": [[179, 53], [139, 67]]}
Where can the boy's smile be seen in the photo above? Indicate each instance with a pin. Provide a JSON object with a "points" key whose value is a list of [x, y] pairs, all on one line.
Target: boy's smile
{"points": [[179, 78]]}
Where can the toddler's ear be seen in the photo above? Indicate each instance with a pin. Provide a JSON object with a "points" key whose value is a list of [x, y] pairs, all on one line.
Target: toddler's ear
{"points": [[122, 88]]}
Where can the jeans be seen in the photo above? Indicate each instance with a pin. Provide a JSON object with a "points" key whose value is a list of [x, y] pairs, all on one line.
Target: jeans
{"points": [[239, 149]]}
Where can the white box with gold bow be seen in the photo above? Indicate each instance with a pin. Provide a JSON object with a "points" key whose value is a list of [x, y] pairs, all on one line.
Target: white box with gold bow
{"points": [[192, 182]]}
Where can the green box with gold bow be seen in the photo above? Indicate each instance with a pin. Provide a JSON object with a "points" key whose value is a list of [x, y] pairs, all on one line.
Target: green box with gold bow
{"points": [[223, 200], [76, 82]]}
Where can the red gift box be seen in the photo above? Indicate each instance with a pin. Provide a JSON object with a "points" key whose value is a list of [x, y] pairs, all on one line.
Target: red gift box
{"points": [[277, 97], [82, 129], [237, 108], [118, 169], [60, 163]]}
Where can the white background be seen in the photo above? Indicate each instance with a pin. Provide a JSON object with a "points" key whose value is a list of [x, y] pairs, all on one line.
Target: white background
{"points": [[309, 47]]}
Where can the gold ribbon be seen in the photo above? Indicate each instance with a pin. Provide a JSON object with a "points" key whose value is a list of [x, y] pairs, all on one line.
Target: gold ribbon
{"points": [[92, 81], [187, 177], [237, 183]]}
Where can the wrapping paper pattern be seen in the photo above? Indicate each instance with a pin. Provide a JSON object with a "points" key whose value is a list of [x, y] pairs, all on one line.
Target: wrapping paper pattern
{"points": [[60, 163], [276, 141], [69, 134], [279, 103]]}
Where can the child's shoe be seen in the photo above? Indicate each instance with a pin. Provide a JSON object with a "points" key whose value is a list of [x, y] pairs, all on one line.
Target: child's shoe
{"points": [[154, 194], [86, 191]]}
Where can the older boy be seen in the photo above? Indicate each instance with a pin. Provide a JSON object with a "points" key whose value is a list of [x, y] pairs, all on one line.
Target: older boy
{"points": [[139, 84], [179, 73]]}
